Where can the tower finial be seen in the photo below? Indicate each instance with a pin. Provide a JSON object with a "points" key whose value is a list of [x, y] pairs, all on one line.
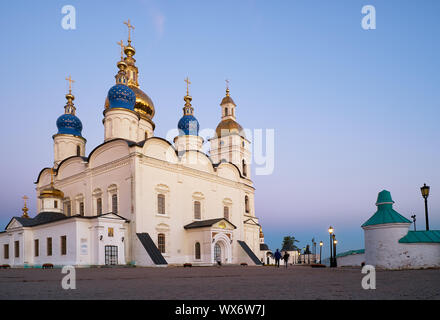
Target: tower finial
{"points": [[121, 44], [69, 108], [187, 109], [227, 87], [25, 208], [51, 177], [187, 85], [69, 79], [129, 26]]}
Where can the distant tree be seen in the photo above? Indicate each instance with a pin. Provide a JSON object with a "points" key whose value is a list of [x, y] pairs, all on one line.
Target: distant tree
{"points": [[307, 251], [289, 244]]}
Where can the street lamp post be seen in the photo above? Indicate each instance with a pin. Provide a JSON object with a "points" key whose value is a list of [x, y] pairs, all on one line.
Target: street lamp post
{"points": [[330, 231], [320, 250], [425, 195], [335, 242], [414, 220]]}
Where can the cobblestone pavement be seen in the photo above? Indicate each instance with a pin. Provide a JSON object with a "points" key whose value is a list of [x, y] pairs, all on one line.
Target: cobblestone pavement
{"points": [[228, 282]]}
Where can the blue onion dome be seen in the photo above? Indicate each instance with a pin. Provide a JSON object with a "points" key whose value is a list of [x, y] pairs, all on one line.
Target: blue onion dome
{"points": [[120, 95], [69, 123], [188, 124]]}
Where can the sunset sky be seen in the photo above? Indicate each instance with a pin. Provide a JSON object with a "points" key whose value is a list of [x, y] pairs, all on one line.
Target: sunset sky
{"points": [[354, 111]]}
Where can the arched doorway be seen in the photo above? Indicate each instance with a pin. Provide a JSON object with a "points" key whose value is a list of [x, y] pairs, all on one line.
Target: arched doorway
{"points": [[221, 249]]}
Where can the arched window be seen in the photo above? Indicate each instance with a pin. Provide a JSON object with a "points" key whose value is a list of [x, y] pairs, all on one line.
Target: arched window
{"points": [[115, 203], [226, 212], [226, 111], [244, 168], [78, 151], [81, 208], [246, 203], [197, 211], [161, 242], [160, 204], [146, 135], [99, 206], [197, 250]]}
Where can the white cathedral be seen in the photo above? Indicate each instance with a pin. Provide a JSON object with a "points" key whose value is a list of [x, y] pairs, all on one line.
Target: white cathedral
{"points": [[138, 199]]}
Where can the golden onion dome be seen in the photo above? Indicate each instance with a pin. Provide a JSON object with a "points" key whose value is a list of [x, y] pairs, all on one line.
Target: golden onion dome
{"points": [[144, 105], [51, 192], [229, 126], [261, 233]]}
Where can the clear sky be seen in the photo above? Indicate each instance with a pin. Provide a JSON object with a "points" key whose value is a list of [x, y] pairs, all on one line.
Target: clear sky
{"points": [[354, 111]]}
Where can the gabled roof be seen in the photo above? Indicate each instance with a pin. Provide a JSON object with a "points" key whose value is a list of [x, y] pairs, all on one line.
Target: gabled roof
{"points": [[41, 218], [48, 217], [206, 223], [428, 236]]}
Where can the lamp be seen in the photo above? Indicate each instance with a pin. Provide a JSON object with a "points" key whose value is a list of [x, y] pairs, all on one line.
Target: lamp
{"points": [[425, 191], [330, 231], [320, 250], [425, 195], [100, 237]]}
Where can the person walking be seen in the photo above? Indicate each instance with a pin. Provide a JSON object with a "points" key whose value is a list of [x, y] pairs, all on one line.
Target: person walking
{"points": [[277, 257], [286, 258]]}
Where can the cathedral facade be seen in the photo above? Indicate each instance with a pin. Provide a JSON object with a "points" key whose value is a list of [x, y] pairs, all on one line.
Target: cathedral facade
{"points": [[139, 199]]}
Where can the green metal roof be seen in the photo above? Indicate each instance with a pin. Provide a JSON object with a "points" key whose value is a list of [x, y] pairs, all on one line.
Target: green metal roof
{"points": [[385, 212], [350, 252], [431, 236]]}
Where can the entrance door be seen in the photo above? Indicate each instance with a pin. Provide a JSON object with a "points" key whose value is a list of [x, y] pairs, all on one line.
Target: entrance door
{"points": [[111, 255], [217, 253]]}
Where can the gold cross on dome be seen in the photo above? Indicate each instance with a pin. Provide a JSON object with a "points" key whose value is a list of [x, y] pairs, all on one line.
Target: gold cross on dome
{"points": [[129, 26], [70, 83], [25, 198], [187, 85], [227, 83], [121, 44], [51, 176]]}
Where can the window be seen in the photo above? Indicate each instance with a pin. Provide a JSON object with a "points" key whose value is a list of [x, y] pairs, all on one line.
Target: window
{"points": [[55, 204], [78, 151], [160, 204], [99, 206], [146, 135], [197, 213], [226, 111], [197, 250], [246, 203], [226, 212], [68, 208], [244, 168], [110, 232], [49, 246], [161, 242], [81, 208], [17, 249], [115, 203], [63, 245], [36, 247], [6, 251]]}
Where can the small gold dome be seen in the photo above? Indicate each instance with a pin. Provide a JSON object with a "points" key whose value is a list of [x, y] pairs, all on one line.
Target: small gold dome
{"points": [[261, 233], [144, 106], [229, 126], [51, 192]]}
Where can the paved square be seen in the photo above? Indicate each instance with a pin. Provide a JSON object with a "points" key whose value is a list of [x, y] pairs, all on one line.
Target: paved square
{"points": [[228, 282]]}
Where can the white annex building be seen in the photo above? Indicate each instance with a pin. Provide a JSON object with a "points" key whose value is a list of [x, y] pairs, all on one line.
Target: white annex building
{"points": [[138, 199]]}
